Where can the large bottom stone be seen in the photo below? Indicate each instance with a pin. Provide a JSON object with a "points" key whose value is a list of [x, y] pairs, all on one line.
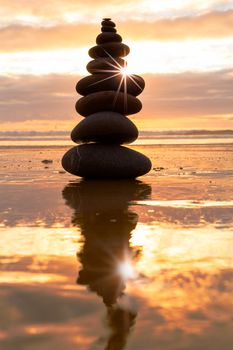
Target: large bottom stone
{"points": [[105, 127], [99, 161]]}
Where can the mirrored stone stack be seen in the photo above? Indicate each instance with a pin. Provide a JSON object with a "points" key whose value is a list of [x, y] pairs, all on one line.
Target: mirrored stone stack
{"points": [[108, 96]]}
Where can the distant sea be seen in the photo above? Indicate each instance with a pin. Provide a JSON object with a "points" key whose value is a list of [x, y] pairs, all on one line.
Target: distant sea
{"points": [[168, 137]]}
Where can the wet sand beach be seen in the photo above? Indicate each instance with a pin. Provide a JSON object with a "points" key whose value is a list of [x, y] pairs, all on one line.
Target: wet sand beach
{"points": [[130, 264]]}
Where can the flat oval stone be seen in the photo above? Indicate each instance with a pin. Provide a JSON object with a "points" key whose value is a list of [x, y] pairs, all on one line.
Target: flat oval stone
{"points": [[105, 127], [106, 63], [108, 23], [108, 101], [105, 82], [105, 161], [108, 37], [108, 29], [113, 49]]}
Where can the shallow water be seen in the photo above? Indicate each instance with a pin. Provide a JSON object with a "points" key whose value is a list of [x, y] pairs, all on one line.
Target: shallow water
{"points": [[117, 264]]}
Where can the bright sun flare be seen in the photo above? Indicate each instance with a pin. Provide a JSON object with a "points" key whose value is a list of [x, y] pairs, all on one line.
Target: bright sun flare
{"points": [[126, 270], [125, 71]]}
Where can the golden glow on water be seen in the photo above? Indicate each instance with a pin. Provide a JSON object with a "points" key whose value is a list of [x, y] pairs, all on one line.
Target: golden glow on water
{"points": [[188, 203], [180, 249], [21, 277], [41, 255], [176, 274], [38, 241], [126, 258], [184, 273]]}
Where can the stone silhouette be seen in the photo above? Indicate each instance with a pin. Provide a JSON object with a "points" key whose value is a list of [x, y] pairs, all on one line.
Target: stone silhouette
{"points": [[101, 212], [108, 96]]}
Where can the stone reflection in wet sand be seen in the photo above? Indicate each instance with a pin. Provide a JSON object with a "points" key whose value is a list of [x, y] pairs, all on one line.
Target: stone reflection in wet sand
{"points": [[101, 211]]}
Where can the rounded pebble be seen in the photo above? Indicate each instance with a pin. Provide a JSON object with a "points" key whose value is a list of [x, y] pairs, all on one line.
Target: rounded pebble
{"points": [[106, 63], [105, 127], [107, 22], [105, 161], [108, 101], [108, 37], [108, 29], [133, 84], [109, 49]]}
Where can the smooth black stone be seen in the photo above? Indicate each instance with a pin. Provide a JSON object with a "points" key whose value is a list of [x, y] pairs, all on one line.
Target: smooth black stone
{"points": [[108, 82], [105, 161], [113, 49], [105, 127], [108, 23], [108, 37], [108, 29], [100, 64], [108, 101]]}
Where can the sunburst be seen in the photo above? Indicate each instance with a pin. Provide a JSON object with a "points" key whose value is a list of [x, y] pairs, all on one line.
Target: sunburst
{"points": [[126, 270], [115, 69]]}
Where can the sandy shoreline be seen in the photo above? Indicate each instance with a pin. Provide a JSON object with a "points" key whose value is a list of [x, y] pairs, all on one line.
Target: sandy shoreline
{"points": [[175, 225]]}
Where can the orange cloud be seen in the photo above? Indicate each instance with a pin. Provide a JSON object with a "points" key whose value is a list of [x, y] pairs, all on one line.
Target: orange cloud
{"points": [[20, 38], [93, 10], [185, 99], [211, 25], [26, 38], [188, 94]]}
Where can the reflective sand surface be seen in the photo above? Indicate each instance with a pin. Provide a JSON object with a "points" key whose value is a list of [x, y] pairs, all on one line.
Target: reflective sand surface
{"points": [[117, 265]]}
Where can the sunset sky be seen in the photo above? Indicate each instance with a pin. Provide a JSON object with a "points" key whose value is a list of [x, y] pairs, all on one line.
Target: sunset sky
{"points": [[182, 48]]}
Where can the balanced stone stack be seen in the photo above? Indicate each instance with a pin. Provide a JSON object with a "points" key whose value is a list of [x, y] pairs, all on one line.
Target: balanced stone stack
{"points": [[109, 95]]}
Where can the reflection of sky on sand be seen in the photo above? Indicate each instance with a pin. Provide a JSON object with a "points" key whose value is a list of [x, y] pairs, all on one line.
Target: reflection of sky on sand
{"points": [[181, 252], [186, 278], [47, 316], [39, 241], [168, 247], [41, 305], [33, 254]]}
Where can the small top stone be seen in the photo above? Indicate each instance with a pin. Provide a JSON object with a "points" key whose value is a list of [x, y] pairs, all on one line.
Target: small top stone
{"points": [[108, 23]]}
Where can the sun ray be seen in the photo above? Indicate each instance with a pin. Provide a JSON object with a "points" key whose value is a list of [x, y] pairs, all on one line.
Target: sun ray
{"points": [[118, 70], [125, 93], [112, 58], [112, 65], [100, 81], [133, 80], [117, 92]]}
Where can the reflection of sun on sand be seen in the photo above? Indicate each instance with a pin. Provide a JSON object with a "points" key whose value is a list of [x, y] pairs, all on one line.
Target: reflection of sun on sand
{"points": [[101, 211], [189, 279], [177, 271]]}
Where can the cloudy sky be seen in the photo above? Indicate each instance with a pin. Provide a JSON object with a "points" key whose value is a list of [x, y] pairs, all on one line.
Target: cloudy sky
{"points": [[183, 49]]}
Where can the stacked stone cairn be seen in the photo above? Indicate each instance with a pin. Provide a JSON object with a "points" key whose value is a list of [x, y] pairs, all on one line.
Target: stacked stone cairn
{"points": [[108, 96]]}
